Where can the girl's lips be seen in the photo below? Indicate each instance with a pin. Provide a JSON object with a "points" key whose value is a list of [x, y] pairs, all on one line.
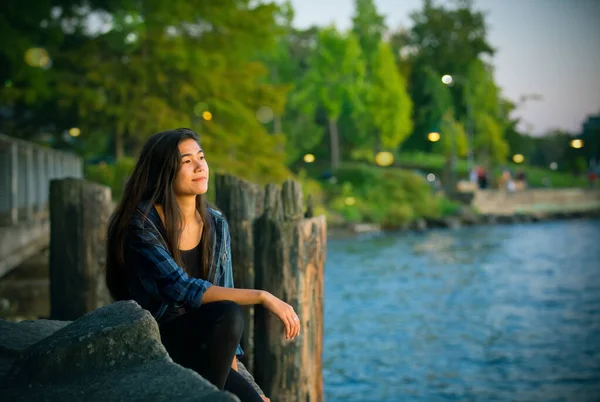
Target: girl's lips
{"points": [[199, 179]]}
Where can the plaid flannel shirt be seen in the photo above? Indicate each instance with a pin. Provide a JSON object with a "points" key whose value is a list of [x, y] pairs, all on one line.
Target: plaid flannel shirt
{"points": [[157, 283]]}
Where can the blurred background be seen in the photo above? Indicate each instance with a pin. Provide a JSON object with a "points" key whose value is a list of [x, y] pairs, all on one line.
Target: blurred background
{"points": [[393, 115]]}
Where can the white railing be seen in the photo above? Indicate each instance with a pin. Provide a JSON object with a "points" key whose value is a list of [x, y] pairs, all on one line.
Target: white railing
{"points": [[25, 173]]}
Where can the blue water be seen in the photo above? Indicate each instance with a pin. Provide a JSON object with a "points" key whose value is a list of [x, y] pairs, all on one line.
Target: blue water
{"points": [[490, 313]]}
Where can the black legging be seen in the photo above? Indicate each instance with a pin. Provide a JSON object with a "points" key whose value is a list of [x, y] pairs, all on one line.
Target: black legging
{"points": [[204, 340]]}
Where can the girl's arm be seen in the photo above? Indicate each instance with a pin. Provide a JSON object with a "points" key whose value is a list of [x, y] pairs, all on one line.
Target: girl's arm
{"points": [[240, 296], [281, 309]]}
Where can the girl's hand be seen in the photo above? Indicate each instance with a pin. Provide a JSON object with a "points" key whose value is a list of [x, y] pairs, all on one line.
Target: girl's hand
{"points": [[284, 312], [265, 399]]}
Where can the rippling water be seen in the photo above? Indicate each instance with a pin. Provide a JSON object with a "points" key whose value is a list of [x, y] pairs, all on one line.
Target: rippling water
{"points": [[490, 313]]}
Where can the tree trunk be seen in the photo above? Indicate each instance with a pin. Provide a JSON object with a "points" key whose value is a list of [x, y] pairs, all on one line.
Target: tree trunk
{"points": [[277, 125], [119, 146], [334, 141]]}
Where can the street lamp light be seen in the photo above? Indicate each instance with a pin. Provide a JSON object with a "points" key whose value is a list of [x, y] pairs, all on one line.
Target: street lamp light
{"points": [[518, 158], [384, 158], [433, 137], [577, 144], [309, 158], [447, 79]]}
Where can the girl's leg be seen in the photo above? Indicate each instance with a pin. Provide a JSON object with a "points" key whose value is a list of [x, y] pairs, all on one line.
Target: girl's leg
{"points": [[205, 339], [240, 387]]}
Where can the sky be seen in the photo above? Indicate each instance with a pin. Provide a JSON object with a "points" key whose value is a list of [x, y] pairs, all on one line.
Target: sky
{"points": [[545, 47]]}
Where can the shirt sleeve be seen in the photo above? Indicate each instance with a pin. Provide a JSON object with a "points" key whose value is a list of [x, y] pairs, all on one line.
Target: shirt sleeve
{"points": [[160, 275]]}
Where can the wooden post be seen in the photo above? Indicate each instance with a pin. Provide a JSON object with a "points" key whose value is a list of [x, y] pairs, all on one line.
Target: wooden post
{"points": [[79, 213], [242, 203], [290, 257]]}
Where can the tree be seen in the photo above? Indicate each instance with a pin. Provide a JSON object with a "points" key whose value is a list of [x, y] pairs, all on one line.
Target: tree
{"points": [[435, 101], [336, 75], [369, 27], [156, 66], [482, 97], [443, 40], [453, 139], [388, 106]]}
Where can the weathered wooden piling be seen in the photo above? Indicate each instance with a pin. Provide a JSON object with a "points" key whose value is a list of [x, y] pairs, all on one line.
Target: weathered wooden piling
{"points": [[241, 202], [79, 213], [289, 261]]}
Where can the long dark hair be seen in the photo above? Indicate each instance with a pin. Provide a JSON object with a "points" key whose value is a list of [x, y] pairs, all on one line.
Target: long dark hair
{"points": [[152, 182]]}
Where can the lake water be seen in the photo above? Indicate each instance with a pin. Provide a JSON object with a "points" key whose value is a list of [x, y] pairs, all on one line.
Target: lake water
{"points": [[489, 313]]}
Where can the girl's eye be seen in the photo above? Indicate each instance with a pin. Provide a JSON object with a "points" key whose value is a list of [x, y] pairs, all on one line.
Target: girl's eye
{"points": [[187, 161]]}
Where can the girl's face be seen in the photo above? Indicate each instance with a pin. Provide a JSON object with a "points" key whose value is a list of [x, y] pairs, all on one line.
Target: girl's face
{"points": [[192, 177]]}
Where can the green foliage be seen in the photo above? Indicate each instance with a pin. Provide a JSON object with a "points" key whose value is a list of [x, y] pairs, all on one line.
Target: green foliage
{"points": [[389, 107], [391, 197], [148, 71], [448, 207], [112, 175], [337, 71], [453, 139], [369, 27]]}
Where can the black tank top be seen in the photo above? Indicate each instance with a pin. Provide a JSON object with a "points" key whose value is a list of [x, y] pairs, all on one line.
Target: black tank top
{"points": [[192, 260]]}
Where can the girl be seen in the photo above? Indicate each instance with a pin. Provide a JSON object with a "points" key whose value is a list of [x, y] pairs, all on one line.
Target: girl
{"points": [[169, 251]]}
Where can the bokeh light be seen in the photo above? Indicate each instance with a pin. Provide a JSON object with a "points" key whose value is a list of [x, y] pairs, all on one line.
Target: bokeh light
{"points": [[553, 165], [131, 38], [431, 177], [207, 115], [518, 158], [309, 158], [577, 144], [74, 132], [38, 57], [433, 137], [384, 158], [447, 79], [264, 114], [350, 201]]}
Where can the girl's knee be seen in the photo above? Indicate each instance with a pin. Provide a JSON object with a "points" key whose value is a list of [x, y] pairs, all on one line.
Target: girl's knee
{"points": [[232, 317]]}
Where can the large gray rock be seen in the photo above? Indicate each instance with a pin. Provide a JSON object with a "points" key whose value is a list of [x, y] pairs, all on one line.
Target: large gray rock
{"points": [[112, 353], [15, 337]]}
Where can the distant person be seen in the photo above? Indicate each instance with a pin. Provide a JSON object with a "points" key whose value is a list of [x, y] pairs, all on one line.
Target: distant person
{"points": [[473, 174], [507, 182], [169, 250], [592, 177], [521, 178], [482, 180]]}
